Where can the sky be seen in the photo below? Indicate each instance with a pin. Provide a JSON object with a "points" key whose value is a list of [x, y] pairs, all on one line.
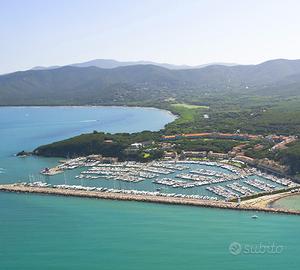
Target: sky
{"points": [[193, 32]]}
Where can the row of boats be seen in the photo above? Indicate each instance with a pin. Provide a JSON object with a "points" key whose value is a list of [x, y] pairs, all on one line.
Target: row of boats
{"points": [[129, 171], [124, 191], [236, 190], [89, 162], [260, 185], [127, 174], [34, 184], [281, 181], [176, 183], [120, 177], [223, 192], [227, 167], [209, 173], [245, 191], [207, 180]]}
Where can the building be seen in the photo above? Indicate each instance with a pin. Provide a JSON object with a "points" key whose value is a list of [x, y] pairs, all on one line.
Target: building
{"points": [[170, 154], [136, 145], [211, 154], [271, 166], [213, 135], [237, 150], [166, 145], [284, 142], [102, 159], [193, 154], [245, 159], [109, 160], [94, 157]]}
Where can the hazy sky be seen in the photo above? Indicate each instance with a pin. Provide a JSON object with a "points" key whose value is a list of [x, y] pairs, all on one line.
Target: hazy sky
{"points": [[58, 32]]}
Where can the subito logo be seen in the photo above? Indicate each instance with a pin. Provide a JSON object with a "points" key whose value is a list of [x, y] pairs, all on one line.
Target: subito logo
{"points": [[235, 248]]}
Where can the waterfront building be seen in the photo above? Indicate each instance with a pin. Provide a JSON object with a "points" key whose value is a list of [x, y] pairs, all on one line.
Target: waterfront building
{"points": [[212, 154], [245, 159], [193, 154]]}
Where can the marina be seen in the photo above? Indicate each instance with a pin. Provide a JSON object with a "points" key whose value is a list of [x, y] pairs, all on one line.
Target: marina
{"points": [[210, 179]]}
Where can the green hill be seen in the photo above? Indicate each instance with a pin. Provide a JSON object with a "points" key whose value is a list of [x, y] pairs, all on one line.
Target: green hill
{"points": [[141, 83]]}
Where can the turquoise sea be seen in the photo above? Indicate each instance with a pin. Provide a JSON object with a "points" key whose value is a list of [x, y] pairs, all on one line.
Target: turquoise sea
{"points": [[51, 232], [48, 232]]}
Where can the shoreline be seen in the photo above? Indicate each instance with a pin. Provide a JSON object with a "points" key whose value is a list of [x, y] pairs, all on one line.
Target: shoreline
{"points": [[267, 201], [92, 106], [165, 111], [142, 198], [96, 106], [271, 202]]}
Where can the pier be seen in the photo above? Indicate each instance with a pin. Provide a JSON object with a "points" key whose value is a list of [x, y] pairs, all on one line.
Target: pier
{"points": [[19, 188]]}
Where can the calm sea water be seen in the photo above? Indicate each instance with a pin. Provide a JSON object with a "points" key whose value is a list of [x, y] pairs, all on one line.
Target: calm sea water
{"points": [[49, 232], [25, 128]]}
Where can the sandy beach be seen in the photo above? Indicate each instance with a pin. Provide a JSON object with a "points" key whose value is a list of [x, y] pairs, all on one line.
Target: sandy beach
{"points": [[267, 200]]}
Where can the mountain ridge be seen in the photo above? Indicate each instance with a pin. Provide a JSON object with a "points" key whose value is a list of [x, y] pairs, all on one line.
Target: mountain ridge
{"points": [[72, 85], [111, 63]]}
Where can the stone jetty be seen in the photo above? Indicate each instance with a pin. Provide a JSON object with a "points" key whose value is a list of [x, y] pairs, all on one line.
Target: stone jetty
{"points": [[141, 198]]}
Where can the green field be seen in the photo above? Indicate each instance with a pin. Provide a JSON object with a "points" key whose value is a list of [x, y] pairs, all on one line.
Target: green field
{"points": [[189, 106]]}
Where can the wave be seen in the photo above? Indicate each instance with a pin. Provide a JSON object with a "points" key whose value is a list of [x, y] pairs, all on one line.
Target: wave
{"points": [[87, 121]]}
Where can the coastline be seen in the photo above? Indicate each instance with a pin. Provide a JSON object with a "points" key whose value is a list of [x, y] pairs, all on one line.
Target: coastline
{"points": [[272, 202], [142, 198], [267, 201], [174, 115], [142, 106], [93, 106]]}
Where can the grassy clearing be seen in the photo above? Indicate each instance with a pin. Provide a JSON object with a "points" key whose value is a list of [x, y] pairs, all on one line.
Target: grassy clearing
{"points": [[146, 155], [186, 118], [188, 115], [189, 106]]}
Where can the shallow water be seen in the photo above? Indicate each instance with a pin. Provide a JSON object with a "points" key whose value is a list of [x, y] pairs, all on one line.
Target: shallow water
{"points": [[290, 202]]}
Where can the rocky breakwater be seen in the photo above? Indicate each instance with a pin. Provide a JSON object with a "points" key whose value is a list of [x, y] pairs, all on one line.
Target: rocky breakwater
{"points": [[19, 188]]}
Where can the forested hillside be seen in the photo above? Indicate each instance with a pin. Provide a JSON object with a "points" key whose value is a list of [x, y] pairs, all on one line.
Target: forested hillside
{"points": [[147, 83]]}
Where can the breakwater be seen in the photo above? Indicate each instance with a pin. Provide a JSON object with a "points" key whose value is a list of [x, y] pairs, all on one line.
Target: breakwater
{"points": [[140, 198]]}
